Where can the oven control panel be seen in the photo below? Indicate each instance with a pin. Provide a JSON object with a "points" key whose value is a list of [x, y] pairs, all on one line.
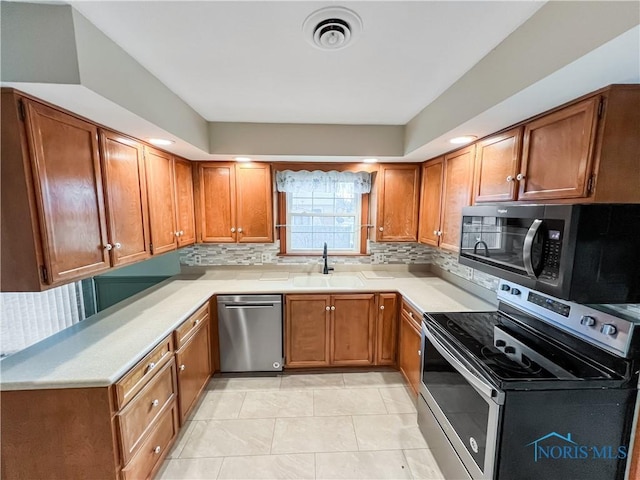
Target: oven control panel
{"points": [[598, 328]]}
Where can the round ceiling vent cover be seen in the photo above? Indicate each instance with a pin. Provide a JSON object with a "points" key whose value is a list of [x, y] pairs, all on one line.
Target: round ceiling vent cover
{"points": [[332, 28]]}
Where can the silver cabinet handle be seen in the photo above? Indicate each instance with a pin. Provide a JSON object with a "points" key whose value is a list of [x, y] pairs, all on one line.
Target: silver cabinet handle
{"points": [[155, 403], [157, 450], [151, 366], [520, 176], [108, 247], [196, 322], [182, 367], [381, 307], [117, 245], [411, 314], [233, 230], [510, 178], [327, 308], [381, 229], [239, 230], [333, 307]]}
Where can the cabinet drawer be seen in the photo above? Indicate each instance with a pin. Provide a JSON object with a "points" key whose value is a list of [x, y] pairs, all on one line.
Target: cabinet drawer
{"points": [[154, 448], [139, 414], [412, 313], [188, 327], [138, 376]]}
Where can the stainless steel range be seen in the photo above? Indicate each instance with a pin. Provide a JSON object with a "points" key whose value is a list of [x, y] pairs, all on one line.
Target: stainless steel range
{"points": [[540, 389]]}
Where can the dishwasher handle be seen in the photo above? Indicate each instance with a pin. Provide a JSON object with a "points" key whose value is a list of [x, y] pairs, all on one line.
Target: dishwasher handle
{"points": [[250, 305]]}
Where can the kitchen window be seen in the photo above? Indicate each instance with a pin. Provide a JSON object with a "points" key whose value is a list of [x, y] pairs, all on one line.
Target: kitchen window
{"points": [[318, 207]]}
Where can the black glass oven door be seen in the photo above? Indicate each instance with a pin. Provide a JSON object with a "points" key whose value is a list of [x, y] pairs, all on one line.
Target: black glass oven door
{"points": [[468, 416]]}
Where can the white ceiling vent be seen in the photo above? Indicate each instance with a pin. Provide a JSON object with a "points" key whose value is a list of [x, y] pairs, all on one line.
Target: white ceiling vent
{"points": [[332, 28]]}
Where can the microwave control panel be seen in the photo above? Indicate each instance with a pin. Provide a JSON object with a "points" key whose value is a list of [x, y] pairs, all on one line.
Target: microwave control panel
{"points": [[551, 254]]}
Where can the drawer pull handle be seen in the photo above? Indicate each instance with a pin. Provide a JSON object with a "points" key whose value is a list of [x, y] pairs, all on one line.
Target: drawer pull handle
{"points": [[151, 366], [196, 322], [411, 314], [157, 450], [155, 403], [182, 367]]}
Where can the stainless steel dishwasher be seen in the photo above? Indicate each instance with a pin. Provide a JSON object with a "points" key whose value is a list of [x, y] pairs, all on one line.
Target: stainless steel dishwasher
{"points": [[250, 329]]}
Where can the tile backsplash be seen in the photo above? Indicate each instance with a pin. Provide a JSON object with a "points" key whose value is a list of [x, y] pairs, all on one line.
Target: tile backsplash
{"points": [[387, 253]]}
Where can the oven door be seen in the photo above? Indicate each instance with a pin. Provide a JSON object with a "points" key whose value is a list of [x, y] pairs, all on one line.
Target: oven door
{"points": [[466, 405]]}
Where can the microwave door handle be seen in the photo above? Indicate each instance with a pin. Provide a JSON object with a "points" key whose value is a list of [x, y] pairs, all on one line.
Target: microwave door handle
{"points": [[483, 387], [527, 247]]}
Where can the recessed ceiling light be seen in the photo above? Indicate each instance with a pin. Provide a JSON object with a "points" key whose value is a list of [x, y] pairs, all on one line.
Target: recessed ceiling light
{"points": [[370, 160], [463, 139], [161, 142], [242, 159]]}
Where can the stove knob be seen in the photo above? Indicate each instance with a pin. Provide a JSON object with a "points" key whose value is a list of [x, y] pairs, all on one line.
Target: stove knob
{"points": [[588, 321], [500, 343], [609, 329], [515, 291], [505, 287], [509, 350]]}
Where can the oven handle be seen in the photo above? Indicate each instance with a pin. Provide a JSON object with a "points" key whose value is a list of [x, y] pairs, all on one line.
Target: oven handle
{"points": [[482, 386], [527, 246]]}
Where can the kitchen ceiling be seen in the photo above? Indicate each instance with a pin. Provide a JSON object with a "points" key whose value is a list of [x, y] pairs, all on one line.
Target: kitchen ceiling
{"points": [[226, 78], [250, 62]]}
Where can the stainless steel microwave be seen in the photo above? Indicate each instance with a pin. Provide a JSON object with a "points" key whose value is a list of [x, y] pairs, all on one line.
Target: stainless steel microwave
{"points": [[583, 253]]}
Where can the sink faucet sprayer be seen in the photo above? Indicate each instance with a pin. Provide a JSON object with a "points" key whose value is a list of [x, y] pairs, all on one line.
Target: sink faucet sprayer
{"points": [[326, 268]]}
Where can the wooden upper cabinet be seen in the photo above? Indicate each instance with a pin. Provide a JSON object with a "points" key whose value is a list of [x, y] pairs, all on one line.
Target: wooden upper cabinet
{"points": [[160, 188], [386, 328], [431, 201], [234, 202], [254, 203], [456, 194], [125, 198], [398, 189], [307, 330], [185, 221], [353, 319], [497, 166], [557, 153], [68, 191]]}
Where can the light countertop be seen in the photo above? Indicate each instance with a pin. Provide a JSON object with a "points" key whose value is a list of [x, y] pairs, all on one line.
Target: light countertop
{"points": [[98, 351]]}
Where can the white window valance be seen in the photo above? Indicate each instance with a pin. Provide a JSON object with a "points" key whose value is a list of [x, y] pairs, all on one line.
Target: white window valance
{"points": [[318, 181]]}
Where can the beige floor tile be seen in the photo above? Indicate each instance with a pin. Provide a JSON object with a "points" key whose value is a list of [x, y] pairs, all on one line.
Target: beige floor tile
{"points": [[299, 466], [422, 464], [373, 380], [317, 381], [220, 438], [362, 465], [277, 404], [388, 432], [356, 401], [190, 469], [219, 405], [244, 384], [314, 434], [183, 436], [398, 400]]}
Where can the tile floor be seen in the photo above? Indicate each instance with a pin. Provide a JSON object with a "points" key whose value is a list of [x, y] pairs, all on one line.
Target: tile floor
{"points": [[300, 426]]}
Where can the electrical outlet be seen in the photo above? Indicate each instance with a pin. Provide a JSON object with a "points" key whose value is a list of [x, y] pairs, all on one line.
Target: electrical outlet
{"points": [[197, 259], [379, 258], [469, 274], [266, 258]]}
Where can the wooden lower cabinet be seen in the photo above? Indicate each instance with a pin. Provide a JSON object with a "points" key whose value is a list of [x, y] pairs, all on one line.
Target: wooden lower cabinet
{"points": [[409, 349], [340, 330], [194, 368]]}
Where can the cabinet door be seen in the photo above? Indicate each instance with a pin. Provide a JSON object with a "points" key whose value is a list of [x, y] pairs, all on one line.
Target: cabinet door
{"points": [[307, 330], [125, 198], [398, 191], [160, 190], [68, 187], [557, 153], [194, 369], [409, 352], [456, 193], [254, 203], [430, 199], [497, 163], [386, 329], [184, 202], [217, 202], [353, 320]]}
